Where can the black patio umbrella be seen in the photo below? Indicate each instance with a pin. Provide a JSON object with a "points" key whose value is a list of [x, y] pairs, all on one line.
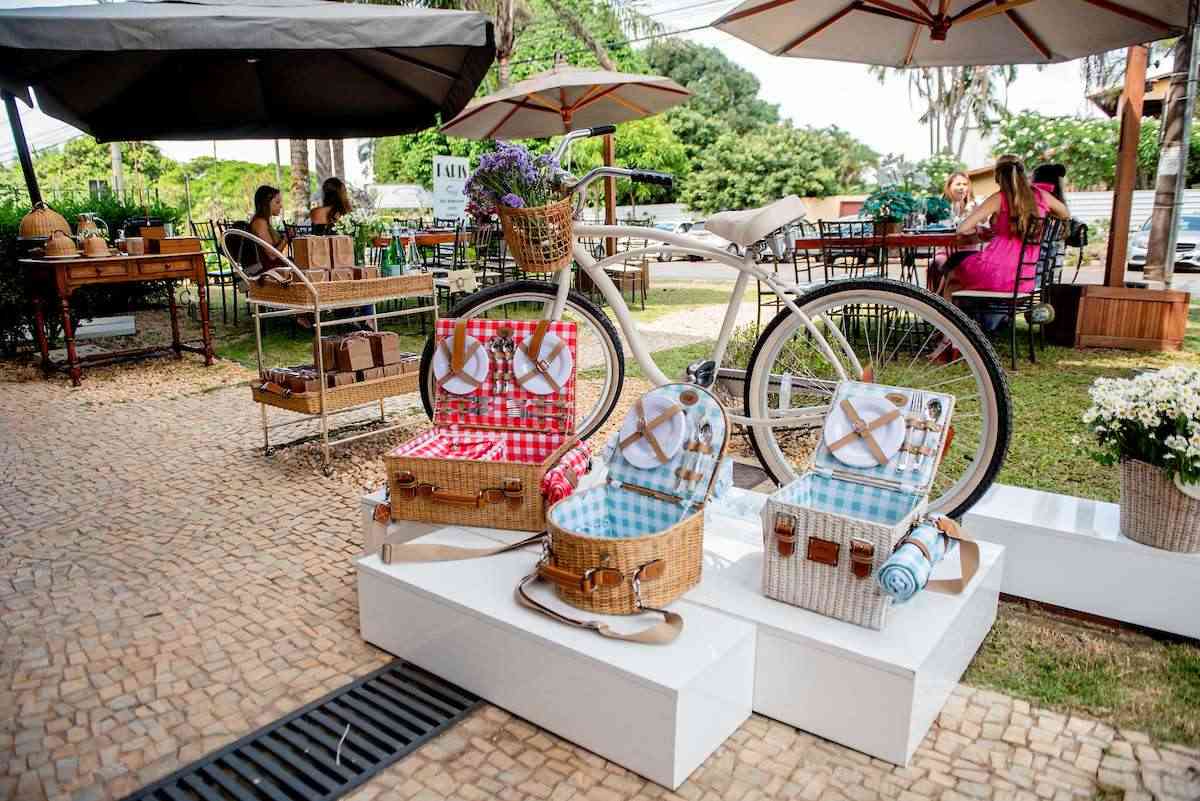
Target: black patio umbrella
{"points": [[227, 69]]}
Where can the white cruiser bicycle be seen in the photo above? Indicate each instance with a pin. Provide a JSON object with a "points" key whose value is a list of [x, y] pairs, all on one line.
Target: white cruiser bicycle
{"points": [[873, 329]]}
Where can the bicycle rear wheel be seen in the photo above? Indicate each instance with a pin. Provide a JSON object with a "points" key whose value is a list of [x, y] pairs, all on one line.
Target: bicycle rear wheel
{"points": [[600, 364], [883, 331]]}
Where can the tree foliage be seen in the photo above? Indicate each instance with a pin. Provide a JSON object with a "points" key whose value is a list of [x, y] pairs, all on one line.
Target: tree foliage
{"points": [[777, 160], [647, 144]]}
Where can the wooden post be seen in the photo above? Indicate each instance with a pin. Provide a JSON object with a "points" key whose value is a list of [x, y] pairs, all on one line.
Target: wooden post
{"points": [[610, 195], [18, 132], [1129, 109]]}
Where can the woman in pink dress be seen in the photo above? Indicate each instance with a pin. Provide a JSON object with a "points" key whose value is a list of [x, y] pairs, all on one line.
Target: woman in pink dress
{"points": [[1013, 210]]}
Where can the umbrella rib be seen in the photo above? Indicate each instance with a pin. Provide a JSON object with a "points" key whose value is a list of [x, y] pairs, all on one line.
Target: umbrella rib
{"points": [[585, 98], [662, 88], [541, 101], [525, 104], [912, 45], [895, 9], [629, 104], [821, 26], [416, 62], [750, 12], [979, 11], [921, 5], [492, 133], [1132, 14], [464, 116], [588, 100], [1024, 28], [383, 77]]}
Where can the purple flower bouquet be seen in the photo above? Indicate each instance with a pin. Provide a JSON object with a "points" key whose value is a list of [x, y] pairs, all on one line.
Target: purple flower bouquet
{"points": [[528, 195]]}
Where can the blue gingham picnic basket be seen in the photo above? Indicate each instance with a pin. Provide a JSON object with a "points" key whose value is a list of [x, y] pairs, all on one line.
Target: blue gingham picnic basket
{"points": [[827, 534], [635, 543]]}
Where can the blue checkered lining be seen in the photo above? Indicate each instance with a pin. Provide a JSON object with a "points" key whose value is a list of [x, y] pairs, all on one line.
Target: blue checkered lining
{"points": [[849, 499], [615, 513], [662, 478], [826, 461]]}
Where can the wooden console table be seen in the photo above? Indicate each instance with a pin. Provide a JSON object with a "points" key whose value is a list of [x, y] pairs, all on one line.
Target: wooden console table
{"points": [[59, 278]]}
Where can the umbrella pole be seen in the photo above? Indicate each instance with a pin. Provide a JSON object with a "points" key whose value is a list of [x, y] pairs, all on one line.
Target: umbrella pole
{"points": [[18, 132], [1129, 109], [610, 195]]}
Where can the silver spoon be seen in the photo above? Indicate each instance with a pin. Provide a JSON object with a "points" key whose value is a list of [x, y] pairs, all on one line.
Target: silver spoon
{"points": [[933, 413]]}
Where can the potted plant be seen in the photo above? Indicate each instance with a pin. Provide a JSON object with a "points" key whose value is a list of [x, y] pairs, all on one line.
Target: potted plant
{"points": [[890, 206], [365, 227], [1150, 424], [533, 203], [937, 209]]}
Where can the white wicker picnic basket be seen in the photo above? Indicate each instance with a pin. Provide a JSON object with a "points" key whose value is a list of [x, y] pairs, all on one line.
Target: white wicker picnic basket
{"points": [[827, 533]]}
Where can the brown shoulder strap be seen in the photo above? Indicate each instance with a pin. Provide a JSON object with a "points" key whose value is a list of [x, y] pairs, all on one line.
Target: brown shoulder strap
{"points": [[658, 634], [968, 551], [534, 346], [458, 355], [392, 553]]}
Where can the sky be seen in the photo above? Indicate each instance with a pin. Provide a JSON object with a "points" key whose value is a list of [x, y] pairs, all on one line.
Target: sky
{"points": [[808, 92]]}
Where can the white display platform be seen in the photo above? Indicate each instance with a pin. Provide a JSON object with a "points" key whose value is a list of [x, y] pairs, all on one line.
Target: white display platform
{"points": [[658, 711], [877, 692], [1070, 552]]}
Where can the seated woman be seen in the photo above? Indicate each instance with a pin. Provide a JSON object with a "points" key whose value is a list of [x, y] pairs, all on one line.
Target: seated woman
{"points": [[957, 190], [1014, 210], [268, 203], [335, 204]]}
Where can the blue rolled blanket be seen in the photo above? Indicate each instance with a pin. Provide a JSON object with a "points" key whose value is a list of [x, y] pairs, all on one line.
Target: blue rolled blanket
{"points": [[907, 571]]}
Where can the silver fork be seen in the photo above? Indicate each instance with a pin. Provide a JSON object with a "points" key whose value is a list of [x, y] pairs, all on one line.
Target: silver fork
{"points": [[916, 403]]}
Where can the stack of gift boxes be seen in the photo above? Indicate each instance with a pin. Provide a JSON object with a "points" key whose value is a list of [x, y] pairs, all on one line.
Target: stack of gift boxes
{"points": [[329, 258], [361, 356]]}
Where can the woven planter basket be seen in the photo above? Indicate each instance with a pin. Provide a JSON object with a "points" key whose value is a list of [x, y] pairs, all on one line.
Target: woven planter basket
{"points": [[1153, 510], [329, 292], [539, 238]]}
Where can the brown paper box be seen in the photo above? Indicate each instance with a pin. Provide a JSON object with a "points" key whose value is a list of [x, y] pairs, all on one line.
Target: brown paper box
{"points": [[329, 351], [390, 370], [353, 354], [174, 244], [410, 363], [341, 274], [311, 252], [317, 276], [364, 273], [385, 348], [303, 381], [370, 374], [341, 251], [340, 379]]}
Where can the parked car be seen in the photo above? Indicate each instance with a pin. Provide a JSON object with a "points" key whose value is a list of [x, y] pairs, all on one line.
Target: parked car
{"points": [[698, 231], [679, 227], [1187, 245]]}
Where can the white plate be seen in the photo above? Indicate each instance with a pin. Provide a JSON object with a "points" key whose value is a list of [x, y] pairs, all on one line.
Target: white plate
{"points": [[476, 367], [559, 369], [669, 434], [889, 437]]}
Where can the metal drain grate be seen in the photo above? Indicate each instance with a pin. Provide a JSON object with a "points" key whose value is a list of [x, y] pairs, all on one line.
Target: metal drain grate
{"points": [[311, 755]]}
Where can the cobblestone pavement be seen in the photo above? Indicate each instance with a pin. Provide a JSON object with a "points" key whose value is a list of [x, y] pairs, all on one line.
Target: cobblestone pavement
{"points": [[165, 589]]}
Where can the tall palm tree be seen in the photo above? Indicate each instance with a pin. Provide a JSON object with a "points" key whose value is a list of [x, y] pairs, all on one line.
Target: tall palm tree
{"points": [[299, 189]]}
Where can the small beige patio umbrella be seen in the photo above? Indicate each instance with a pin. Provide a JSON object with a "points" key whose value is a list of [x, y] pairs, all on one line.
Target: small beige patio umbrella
{"points": [[932, 33], [566, 98]]}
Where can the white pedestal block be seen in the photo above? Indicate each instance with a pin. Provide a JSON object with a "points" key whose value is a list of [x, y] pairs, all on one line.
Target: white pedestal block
{"points": [[658, 711], [875, 691], [1070, 552]]}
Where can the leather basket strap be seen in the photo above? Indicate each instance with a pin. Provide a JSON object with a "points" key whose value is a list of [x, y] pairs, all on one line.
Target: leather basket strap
{"points": [[534, 344], [458, 373], [392, 553], [658, 634], [458, 357], [645, 429], [968, 551], [541, 366]]}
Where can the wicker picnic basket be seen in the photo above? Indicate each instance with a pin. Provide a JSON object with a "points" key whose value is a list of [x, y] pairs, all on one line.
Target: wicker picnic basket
{"points": [[336, 398], [539, 238], [827, 534], [480, 465], [296, 294], [1153, 510], [636, 543]]}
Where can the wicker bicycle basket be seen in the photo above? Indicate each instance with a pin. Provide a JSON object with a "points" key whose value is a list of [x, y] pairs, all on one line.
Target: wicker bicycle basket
{"points": [[539, 238]]}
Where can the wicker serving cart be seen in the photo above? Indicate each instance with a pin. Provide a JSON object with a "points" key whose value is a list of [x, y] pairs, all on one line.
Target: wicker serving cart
{"points": [[288, 292]]}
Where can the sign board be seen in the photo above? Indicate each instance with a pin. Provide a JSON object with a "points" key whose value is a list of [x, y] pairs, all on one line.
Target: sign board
{"points": [[449, 177]]}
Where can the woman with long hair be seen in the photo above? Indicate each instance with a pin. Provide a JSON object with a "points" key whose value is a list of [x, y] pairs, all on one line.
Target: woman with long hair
{"points": [[958, 192], [335, 204], [1013, 212], [268, 203]]}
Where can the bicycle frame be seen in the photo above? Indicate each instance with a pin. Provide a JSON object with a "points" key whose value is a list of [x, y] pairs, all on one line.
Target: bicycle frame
{"points": [[747, 268]]}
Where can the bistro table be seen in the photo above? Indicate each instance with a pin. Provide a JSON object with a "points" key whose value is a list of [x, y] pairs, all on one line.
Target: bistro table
{"points": [[59, 278], [915, 239]]}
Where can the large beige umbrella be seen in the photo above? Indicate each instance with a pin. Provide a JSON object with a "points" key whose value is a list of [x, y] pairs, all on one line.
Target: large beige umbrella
{"points": [[554, 102], [932, 33]]}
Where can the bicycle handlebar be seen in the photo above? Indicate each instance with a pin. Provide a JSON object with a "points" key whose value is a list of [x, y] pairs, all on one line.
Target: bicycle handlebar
{"points": [[581, 133]]}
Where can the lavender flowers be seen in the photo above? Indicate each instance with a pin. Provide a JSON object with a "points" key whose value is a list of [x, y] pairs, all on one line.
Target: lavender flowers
{"points": [[511, 177]]}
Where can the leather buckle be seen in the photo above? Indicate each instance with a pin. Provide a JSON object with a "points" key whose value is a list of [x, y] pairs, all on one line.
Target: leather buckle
{"points": [[862, 558], [785, 534], [512, 487], [597, 577], [491, 495]]}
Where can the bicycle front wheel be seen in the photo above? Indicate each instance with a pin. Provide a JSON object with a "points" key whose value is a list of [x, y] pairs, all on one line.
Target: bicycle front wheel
{"points": [[886, 332], [600, 360]]}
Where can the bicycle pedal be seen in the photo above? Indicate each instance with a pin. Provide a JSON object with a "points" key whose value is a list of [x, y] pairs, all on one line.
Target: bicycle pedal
{"points": [[702, 373]]}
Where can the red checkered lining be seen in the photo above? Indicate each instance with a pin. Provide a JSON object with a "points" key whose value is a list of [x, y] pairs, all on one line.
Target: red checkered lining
{"points": [[455, 442]]}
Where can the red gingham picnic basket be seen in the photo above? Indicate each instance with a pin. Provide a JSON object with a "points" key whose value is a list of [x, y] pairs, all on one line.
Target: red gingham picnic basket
{"points": [[487, 458]]}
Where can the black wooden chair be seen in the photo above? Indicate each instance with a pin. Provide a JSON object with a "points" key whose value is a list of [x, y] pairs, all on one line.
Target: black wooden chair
{"points": [[216, 272], [854, 259], [1032, 276]]}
